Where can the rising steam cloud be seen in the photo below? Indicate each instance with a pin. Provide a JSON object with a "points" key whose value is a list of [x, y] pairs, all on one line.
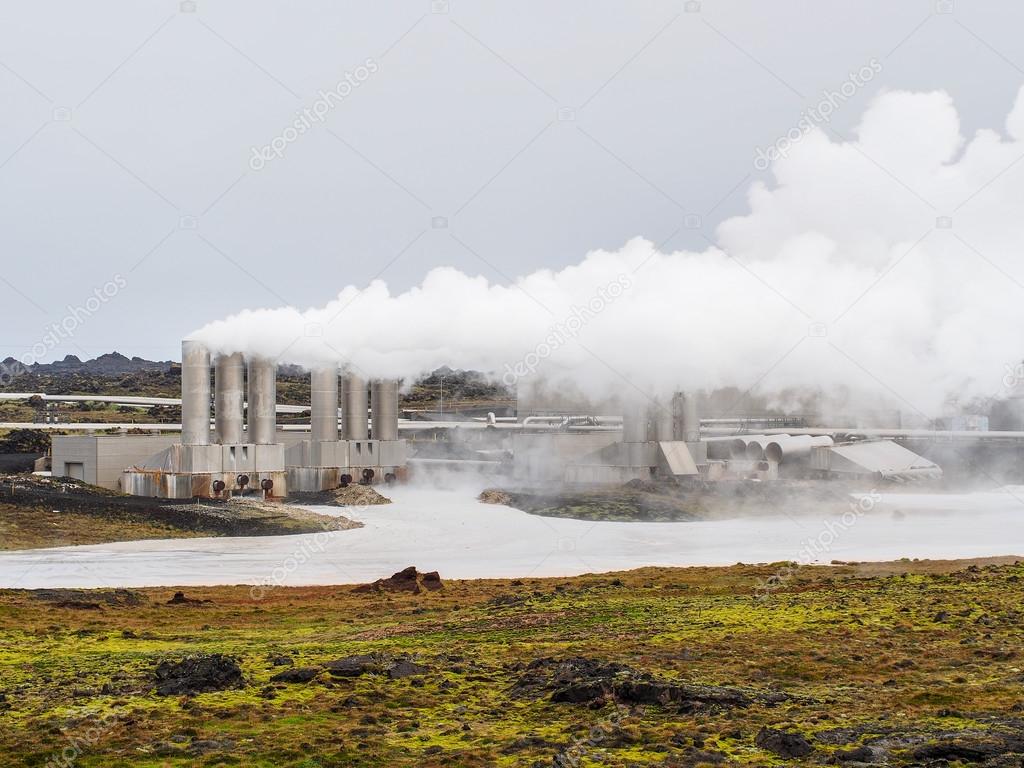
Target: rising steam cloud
{"points": [[888, 264]]}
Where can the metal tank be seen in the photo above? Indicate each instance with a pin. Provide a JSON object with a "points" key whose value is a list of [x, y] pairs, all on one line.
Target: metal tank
{"points": [[324, 404], [634, 424], [354, 420], [659, 421], [685, 421], [262, 412], [385, 409], [195, 393], [229, 399]]}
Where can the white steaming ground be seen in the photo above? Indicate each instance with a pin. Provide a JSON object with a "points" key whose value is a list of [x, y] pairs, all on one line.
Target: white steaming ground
{"points": [[889, 264]]}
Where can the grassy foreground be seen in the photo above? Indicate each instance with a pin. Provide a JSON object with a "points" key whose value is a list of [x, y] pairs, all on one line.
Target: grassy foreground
{"points": [[905, 663]]}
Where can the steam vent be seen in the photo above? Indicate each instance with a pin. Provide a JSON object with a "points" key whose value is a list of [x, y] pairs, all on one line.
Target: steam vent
{"points": [[247, 451]]}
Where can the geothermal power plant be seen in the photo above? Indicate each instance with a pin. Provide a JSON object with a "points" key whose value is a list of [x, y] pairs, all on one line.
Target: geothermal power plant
{"points": [[232, 442], [245, 451]]}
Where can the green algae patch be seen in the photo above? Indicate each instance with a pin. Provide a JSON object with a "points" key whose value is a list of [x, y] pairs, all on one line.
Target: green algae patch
{"points": [[900, 658]]}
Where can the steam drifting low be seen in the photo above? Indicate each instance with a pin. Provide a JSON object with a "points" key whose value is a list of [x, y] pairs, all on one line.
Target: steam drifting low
{"points": [[890, 264]]}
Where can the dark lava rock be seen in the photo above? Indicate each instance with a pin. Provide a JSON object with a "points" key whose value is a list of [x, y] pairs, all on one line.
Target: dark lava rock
{"points": [[860, 754], [281, 661], [180, 599], [296, 675], [353, 666], [971, 747], [432, 581], [406, 580], [405, 668], [583, 681], [196, 674], [90, 599], [783, 743]]}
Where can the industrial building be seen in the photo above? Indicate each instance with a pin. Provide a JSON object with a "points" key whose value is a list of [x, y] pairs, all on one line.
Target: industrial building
{"points": [[245, 450], [668, 442]]}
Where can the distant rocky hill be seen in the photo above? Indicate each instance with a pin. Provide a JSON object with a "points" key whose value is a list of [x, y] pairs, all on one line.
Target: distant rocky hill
{"points": [[110, 364], [113, 373]]}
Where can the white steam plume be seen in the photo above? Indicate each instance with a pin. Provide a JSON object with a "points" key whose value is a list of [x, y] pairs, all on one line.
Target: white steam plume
{"points": [[889, 264]]}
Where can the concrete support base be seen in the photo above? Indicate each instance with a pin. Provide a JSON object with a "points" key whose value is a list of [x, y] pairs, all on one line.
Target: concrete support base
{"points": [[190, 485]]}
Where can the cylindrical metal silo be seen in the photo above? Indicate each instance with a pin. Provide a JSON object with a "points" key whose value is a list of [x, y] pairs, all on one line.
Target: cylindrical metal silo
{"points": [[324, 404], [229, 398], [354, 406], [634, 424], [659, 421], [691, 419], [262, 411], [195, 393], [385, 409]]}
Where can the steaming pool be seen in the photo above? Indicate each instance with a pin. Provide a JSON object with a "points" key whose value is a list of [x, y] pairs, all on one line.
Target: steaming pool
{"points": [[451, 532]]}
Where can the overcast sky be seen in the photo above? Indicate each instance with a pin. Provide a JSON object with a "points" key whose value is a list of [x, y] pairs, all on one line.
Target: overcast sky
{"points": [[496, 137]]}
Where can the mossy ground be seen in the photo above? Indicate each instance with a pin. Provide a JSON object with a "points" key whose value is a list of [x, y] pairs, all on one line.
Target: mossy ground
{"points": [[861, 648]]}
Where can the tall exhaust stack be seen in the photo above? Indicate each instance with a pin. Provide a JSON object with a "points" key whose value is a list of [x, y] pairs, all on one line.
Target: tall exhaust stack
{"points": [[385, 409], [229, 388], [659, 421], [195, 393], [634, 424], [686, 421], [324, 405], [262, 413], [354, 421]]}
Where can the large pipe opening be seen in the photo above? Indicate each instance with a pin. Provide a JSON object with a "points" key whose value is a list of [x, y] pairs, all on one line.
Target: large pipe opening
{"points": [[195, 393], [782, 448]]}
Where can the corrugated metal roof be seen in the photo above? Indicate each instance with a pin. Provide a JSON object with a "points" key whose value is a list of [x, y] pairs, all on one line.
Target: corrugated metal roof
{"points": [[676, 457], [882, 456]]}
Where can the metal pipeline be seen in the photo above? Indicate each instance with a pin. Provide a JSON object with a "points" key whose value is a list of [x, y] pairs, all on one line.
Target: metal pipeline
{"points": [[195, 393], [738, 445], [781, 448], [755, 447]]}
